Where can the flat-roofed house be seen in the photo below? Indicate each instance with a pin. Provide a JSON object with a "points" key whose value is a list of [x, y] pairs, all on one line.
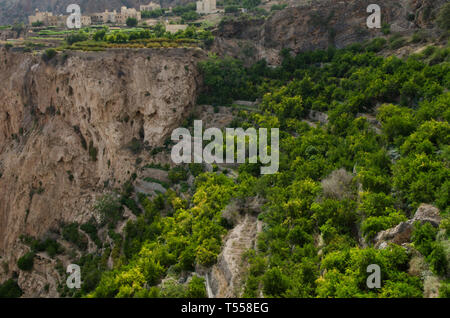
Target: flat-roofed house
{"points": [[126, 13], [206, 6]]}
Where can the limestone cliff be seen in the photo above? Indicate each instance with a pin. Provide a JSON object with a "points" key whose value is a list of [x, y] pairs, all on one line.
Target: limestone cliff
{"points": [[65, 128]]}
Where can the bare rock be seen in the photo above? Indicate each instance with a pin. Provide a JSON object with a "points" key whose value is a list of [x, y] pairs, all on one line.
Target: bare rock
{"points": [[428, 213], [401, 233], [65, 130], [225, 279]]}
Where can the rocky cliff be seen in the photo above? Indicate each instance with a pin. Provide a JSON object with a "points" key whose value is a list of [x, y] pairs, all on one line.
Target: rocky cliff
{"points": [[318, 24], [66, 126]]}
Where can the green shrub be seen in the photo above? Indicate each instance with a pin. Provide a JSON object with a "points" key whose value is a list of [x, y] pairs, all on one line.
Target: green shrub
{"points": [[443, 18], [275, 283], [49, 54], [386, 28], [249, 4], [397, 43], [71, 234], [376, 45], [178, 174], [93, 151], [132, 22], [91, 229], [155, 13], [373, 225], [99, 35], [231, 9], [419, 37], [76, 37], [37, 24], [423, 237], [438, 260], [196, 288], [444, 289], [110, 210], [277, 7], [190, 16], [10, 289], [25, 262]]}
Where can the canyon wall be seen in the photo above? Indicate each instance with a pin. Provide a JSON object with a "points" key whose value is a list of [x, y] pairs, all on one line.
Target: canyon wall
{"points": [[318, 24], [65, 129]]}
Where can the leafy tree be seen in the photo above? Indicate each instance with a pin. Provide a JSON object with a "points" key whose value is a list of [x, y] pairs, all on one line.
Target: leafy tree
{"points": [[99, 35], [275, 283], [18, 27], [190, 16], [438, 260], [423, 237], [249, 4], [132, 22], [196, 288], [49, 54], [26, 262], [10, 289], [443, 18], [76, 37]]}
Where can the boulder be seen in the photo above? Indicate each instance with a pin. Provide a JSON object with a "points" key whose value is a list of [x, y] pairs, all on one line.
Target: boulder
{"points": [[428, 213], [401, 233]]}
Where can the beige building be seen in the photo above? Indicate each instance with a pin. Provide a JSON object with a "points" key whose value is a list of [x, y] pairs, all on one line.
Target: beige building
{"points": [[125, 13], [206, 6], [115, 17], [104, 17], [85, 20], [172, 28], [149, 7], [47, 18]]}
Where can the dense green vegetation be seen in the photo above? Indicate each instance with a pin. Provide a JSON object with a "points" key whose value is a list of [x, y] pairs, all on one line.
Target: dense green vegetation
{"points": [[132, 22], [155, 13], [90, 39], [156, 246], [338, 183], [49, 245], [10, 289], [382, 151], [26, 261], [443, 19]]}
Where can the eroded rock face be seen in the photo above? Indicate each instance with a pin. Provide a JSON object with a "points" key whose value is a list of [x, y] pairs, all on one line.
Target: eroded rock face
{"points": [[402, 232], [224, 279], [428, 213], [318, 24], [66, 126]]}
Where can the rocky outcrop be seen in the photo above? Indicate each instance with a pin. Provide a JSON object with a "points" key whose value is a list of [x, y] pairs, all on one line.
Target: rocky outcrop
{"points": [[8, 34], [67, 126], [317, 25], [402, 232], [225, 279]]}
